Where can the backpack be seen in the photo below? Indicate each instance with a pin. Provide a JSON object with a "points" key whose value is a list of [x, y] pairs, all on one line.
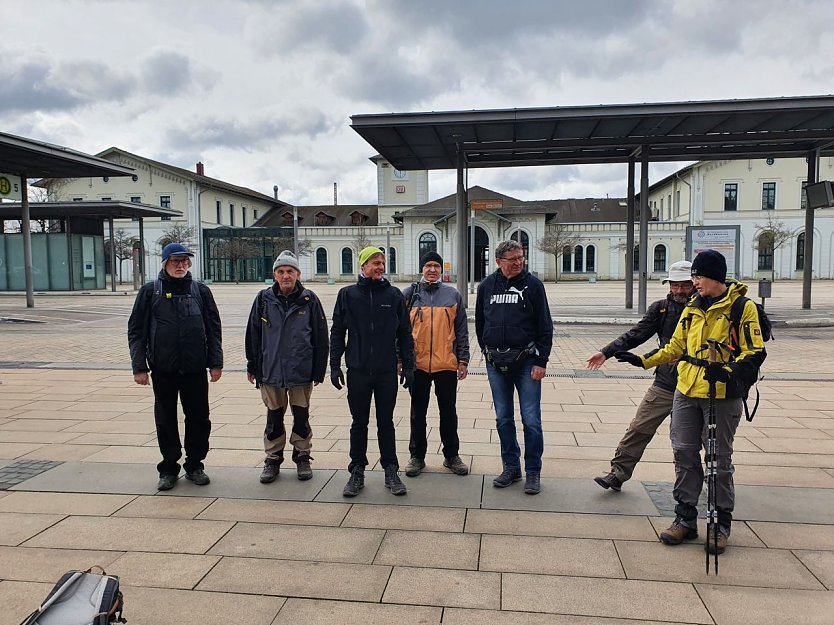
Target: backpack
{"points": [[81, 598], [766, 326]]}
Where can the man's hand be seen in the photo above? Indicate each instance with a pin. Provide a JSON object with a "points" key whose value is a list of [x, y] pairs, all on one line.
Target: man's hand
{"points": [[463, 370], [537, 373], [142, 378], [214, 374], [596, 361], [337, 378], [632, 359], [407, 378], [716, 372], [250, 377]]}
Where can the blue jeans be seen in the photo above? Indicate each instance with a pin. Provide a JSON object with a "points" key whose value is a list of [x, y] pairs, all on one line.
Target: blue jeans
{"points": [[529, 399]]}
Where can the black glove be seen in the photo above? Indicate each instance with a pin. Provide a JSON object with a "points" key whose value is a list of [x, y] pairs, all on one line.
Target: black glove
{"points": [[337, 378], [632, 359], [407, 378], [715, 372]]}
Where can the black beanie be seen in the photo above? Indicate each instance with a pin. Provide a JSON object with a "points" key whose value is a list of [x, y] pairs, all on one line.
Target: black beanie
{"points": [[710, 264], [429, 257]]}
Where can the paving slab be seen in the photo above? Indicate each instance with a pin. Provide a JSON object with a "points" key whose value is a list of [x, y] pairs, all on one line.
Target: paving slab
{"points": [[320, 612], [406, 517], [243, 483], [318, 580], [131, 534], [80, 477], [442, 550], [794, 535], [548, 555], [615, 598], [424, 586], [162, 570], [284, 512], [300, 542], [151, 506], [430, 489], [77, 504], [820, 563], [735, 605], [20, 599], [569, 525], [462, 616], [567, 495], [16, 528], [781, 503], [30, 564], [152, 606]]}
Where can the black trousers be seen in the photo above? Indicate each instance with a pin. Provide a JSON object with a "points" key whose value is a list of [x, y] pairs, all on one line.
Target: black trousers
{"points": [[445, 389], [192, 390], [361, 387]]}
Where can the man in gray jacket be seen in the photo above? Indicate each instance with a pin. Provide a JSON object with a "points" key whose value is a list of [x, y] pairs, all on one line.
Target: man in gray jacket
{"points": [[286, 355]]}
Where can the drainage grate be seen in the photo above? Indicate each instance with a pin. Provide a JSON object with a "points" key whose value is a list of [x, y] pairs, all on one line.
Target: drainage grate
{"points": [[661, 495], [21, 470], [15, 320]]}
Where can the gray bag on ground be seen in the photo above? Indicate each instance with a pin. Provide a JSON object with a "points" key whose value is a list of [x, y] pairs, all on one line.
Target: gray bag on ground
{"points": [[81, 598]]}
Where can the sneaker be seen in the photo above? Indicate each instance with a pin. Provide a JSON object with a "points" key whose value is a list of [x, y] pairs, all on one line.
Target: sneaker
{"points": [[166, 482], [414, 467], [609, 481], [713, 546], [198, 477], [533, 484], [677, 533], [305, 472], [270, 473], [506, 478], [455, 465], [393, 482], [355, 483]]}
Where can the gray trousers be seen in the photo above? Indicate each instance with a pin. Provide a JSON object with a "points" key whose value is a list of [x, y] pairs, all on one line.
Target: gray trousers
{"points": [[688, 434]]}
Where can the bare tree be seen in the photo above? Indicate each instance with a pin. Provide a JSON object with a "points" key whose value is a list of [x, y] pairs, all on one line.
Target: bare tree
{"points": [[236, 250], [360, 241], [774, 234], [122, 244], [556, 240], [178, 233]]}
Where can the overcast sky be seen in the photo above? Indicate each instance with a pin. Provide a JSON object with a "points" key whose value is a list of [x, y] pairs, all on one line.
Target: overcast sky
{"points": [[262, 91]]}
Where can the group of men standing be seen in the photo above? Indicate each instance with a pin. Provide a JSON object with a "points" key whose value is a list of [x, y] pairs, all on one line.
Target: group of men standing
{"points": [[421, 337]]}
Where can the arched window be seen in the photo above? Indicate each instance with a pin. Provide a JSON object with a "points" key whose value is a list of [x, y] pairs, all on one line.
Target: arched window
{"points": [[347, 260], [766, 251], [590, 258], [636, 259], [566, 258], [578, 258], [525, 240], [392, 260], [321, 260], [428, 243], [800, 251], [659, 258]]}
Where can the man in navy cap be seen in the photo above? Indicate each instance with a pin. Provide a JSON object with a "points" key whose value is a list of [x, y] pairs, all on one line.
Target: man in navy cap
{"points": [[174, 334]]}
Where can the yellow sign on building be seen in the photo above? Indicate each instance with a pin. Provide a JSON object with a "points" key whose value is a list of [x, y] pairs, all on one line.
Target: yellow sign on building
{"points": [[10, 187]]}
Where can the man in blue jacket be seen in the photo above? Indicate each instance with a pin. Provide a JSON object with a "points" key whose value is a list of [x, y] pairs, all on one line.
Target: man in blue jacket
{"points": [[515, 333], [372, 314], [286, 355], [174, 332]]}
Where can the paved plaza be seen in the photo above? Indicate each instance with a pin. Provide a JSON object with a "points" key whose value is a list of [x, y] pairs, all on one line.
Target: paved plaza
{"points": [[77, 488]]}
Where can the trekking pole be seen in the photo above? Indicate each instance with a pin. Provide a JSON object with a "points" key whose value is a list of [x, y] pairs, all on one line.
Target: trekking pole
{"points": [[712, 513]]}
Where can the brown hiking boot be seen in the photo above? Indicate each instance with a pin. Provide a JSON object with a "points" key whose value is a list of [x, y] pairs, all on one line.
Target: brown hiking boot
{"points": [[677, 533], [714, 546]]}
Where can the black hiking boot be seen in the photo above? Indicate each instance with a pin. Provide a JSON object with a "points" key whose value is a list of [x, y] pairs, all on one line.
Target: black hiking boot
{"points": [[305, 472], [507, 477], [533, 483], [393, 482], [414, 467], [355, 483], [609, 481], [270, 473], [198, 477], [166, 482], [456, 465]]}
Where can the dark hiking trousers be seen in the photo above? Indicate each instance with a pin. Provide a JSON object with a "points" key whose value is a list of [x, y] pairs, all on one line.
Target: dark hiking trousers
{"points": [[651, 413], [192, 390], [445, 388], [361, 387]]}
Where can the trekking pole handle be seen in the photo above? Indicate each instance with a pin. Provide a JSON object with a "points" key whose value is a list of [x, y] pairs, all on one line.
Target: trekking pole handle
{"points": [[713, 350]]}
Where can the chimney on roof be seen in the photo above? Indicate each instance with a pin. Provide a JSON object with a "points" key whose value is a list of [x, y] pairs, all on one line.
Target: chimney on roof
{"points": [[335, 195], [200, 170]]}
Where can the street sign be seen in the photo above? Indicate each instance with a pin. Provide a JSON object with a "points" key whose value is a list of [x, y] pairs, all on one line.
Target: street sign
{"points": [[10, 187], [486, 204]]}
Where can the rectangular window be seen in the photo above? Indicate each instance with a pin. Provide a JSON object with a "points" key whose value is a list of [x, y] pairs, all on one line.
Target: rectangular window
{"points": [[78, 199], [768, 196], [106, 199], [165, 218], [803, 196], [677, 203], [165, 201], [231, 214], [217, 206], [243, 216], [136, 199], [255, 214], [731, 196]]}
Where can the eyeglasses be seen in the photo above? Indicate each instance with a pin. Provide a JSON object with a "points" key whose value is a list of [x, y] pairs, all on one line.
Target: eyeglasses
{"points": [[695, 276], [178, 261], [514, 259]]}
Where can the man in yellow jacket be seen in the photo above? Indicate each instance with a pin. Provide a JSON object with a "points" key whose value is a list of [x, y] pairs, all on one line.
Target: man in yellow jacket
{"points": [[707, 316]]}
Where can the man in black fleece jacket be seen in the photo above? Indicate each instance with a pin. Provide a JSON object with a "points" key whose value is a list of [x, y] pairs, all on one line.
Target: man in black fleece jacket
{"points": [[379, 342]]}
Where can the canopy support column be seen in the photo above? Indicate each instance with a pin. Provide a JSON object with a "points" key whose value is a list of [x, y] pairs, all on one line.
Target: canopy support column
{"points": [[644, 228], [629, 255], [26, 230], [112, 256], [460, 209]]}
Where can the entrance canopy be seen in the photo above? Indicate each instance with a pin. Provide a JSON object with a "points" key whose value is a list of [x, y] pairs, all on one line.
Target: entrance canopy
{"points": [[90, 210]]}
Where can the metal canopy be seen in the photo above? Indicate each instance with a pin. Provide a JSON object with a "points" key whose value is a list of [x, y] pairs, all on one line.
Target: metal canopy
{"points": [[676, 131], [89, 209], [36, 159]]}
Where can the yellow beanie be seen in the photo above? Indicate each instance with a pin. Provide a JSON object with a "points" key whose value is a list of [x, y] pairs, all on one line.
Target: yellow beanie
{"points": [[366, 253]]}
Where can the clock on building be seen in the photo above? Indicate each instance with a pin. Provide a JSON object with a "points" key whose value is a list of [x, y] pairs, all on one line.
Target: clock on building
{"points": [[400, 175]]}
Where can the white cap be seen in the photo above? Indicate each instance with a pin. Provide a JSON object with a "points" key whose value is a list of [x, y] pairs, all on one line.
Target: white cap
{"points": [[680, 271]]}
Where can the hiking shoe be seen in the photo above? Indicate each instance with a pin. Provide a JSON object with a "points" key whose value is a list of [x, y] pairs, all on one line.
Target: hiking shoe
{"points": [[305, 472], [414, 467], [533, 483], [710, 542], [507, 477], [198, 477], [166, 482], [270, 473], [393, 482], [678, 533], [609, 481], [355, 483], [456, 465]]}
